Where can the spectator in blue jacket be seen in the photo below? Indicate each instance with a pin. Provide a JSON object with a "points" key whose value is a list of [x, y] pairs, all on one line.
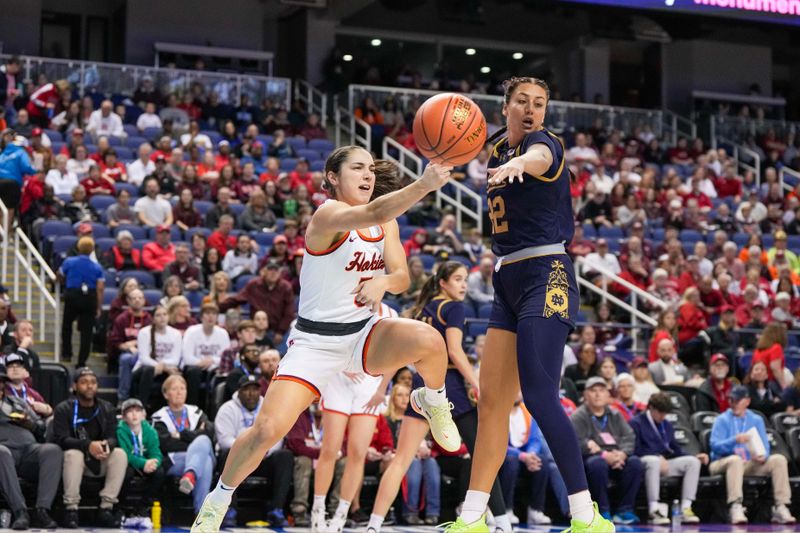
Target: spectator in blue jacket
{"points": [[661, 454], [527, 447], [736, 452], [14, 166]]}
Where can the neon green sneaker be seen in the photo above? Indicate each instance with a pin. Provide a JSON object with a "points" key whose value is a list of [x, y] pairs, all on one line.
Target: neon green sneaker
{"points": [[598, 525], [209, 519], [459, 526], [443, 429]]}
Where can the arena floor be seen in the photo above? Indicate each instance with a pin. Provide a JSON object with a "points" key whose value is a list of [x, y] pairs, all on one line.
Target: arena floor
{"points": [[709, 528]]}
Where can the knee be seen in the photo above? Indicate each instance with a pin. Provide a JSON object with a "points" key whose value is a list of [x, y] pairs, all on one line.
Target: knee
{"points": [[651, 462], [692, 463], [203, 442], [49, 449], [777, 460], [735, 463], [429, 340], [302, 463], [5, 455], [596, 466], [633, 463], [329, 453]]}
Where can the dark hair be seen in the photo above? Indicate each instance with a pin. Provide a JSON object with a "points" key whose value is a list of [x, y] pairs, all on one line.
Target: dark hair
{"points": [[510, 85], [147, 180], [334, 164], [396, 376], [660, 402], [431, 287], [388, 178]]}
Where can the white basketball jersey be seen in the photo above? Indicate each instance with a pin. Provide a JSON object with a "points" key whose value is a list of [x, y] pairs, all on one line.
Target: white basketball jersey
{"points": [[328, 277]]}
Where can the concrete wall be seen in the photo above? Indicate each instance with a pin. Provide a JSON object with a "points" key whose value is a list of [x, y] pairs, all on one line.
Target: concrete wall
{"points": [[20, 26]]}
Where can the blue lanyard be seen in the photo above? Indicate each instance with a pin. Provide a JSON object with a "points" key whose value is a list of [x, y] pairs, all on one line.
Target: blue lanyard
{"points": [[604, 421], [135, 439], [630, 412], [248, 422], [24, 392], [76, 420], [184, 420]]}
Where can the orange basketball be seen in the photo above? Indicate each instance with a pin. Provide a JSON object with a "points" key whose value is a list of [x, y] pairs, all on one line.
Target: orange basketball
{"points": [[449, 129]]}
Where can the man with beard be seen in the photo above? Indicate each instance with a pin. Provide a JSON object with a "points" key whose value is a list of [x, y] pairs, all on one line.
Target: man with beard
{"points": [[268, 363], [712, 395], [247, 365], [86, 429]]}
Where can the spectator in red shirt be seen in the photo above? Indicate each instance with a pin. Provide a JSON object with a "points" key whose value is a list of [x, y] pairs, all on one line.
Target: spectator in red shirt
{"points": [[312, 129], [300, 175], [769, 350], [294, 241], [745, 310], [703, 201], [680, 155], [710, 297], [723, 284], [729, 184], [691, 322], [123, 256], [43, 101], [163, 148], [580, 246], [272, 172], [271, 294], [414, 244], [712, 395], [157, 255], [111, 168], [633, 273], [96, 183], [244, 186], [691, 276], [221, 238]]}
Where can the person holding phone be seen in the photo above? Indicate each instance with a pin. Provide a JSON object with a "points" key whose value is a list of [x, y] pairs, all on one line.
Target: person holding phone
{"points": [[86, 429]]}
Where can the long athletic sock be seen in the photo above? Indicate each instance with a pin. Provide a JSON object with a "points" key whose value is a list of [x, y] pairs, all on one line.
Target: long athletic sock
{"points": [[686, 504], [435, 396], [375, 522], [342, 509], [474, 505], [580, 506], [319, 502], [221, 495]]}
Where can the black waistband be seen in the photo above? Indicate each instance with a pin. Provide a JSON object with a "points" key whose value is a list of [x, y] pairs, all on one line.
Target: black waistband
{"points": [[330, 329]]}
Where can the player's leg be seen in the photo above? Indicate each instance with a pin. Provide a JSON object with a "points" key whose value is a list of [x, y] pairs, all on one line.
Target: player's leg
{"points": [[494, 406], [335, 426], [284, 402], [412, 431], [540, 347], [396, 342], [360, 430]]}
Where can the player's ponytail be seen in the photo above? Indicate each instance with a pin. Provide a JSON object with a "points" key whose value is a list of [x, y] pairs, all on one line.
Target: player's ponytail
{"points": [[431, 287], [388, 178]]}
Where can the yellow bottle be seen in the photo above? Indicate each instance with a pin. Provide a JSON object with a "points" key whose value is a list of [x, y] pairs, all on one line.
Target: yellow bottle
{"points": [[155, 515]]}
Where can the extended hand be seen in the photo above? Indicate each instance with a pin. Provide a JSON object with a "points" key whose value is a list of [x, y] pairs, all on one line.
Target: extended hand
{"points": [[511, 170], [435, 176]]}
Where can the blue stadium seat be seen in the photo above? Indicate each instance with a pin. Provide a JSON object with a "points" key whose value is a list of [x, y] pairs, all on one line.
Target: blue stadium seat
{"points": [[463, 260], [125, 154], [485, 311], [317, 166], [135, 141], [589, 231], [793, 243], [62, 244], [288, 164], [54, 135], [214, 135], [174, 233], [614, 232], [311, 155], [98, 230], [321, 145], [139, 243], [130, 130], [237, 209], [658, 234], [57, 146], [104, 244], [407, 231], [297, 142], [145, 279], [111, 278], [151, 296], [132, 189], [402, 220], [191, 231], [66, 198], [280, 225], [195, 299], [114, 141], [138, 232], [109, 293], [469, 310], [53, 228], [151, 133], [203, 206], [427, 261], [690, 235], [101, 202], [741, 239], [263, 238], [266, 140], [767, 241], [241, 281], [614, 245]]}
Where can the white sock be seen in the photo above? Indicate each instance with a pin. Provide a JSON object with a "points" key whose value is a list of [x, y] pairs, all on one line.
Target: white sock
{"points": [[341, 511], [319, 503], [375, 522], [580, 506], [435, 397], [503, 523], [474, 503], [686, 504], [652, 507], [221, 495]]}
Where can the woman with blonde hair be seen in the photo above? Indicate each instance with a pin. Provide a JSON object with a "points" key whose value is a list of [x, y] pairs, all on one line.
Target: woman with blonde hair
{"points": [[769, 350], [179, 311], [219, 289]]}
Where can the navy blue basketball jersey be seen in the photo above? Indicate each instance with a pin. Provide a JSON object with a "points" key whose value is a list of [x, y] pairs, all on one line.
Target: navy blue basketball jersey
{"points": [[537, 211], [443, 313]]}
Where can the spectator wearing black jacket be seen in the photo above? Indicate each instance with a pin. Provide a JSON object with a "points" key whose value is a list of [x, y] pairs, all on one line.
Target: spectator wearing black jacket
{"points": [[86, 429], [24, 453], [247, 365], [724, 338], [187, 441], [712, 395]]}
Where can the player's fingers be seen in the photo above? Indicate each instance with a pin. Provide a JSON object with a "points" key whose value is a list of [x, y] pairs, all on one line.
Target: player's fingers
{"points": [[492, 171], [358, 288]]}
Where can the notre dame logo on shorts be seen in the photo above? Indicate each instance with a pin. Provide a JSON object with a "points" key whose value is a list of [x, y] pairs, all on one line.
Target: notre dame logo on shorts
{"points": [[556, 299]]}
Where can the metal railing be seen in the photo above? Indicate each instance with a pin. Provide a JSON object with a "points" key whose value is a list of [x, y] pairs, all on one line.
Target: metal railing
{"points": [[637, 295], [312, 99], [350, 129], [412, 166], [677, 126], [116, 78], [739, 129], [38, 275], [561, 116], [746, 158], [788, 178]]}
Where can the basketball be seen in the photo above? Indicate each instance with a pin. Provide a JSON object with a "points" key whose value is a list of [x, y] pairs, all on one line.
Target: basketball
{"points": [[449, 129]]}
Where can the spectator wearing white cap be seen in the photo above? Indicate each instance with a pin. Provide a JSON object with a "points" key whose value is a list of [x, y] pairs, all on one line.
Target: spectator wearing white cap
{"points": [[625, 403]]}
